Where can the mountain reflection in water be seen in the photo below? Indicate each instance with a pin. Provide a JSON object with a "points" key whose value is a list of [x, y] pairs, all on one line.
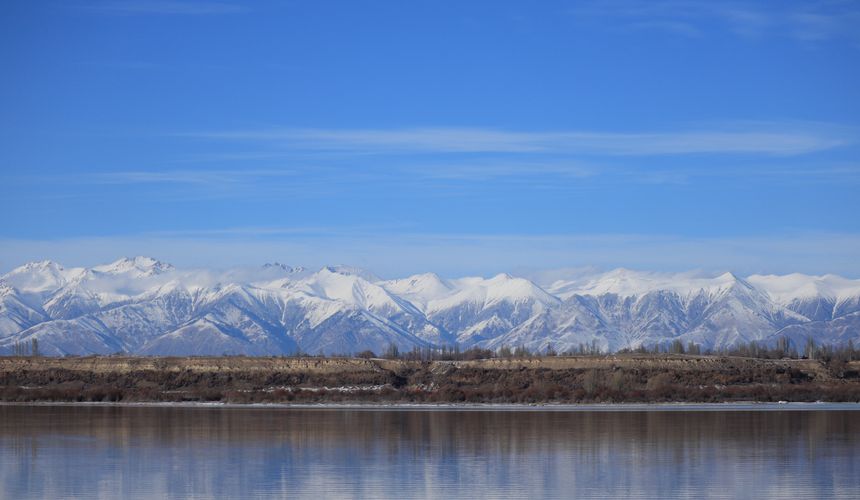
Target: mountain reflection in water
{"points": [[210, 452]]}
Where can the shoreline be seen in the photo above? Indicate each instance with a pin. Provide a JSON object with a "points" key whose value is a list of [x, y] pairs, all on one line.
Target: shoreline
{"points": [[548, 382], [561, 407]]}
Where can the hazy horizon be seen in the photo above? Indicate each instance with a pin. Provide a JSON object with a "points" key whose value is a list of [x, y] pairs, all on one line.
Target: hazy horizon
{"points": [[538, 275]]}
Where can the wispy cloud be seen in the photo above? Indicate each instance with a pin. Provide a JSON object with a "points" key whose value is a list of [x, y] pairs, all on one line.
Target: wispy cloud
{"points": [[802, 20], [120, 65], [434, 179], [310, 181], [816, 26], [207, 184], [758, 140], [499, 169], [806, 174], [164, 7], [195, 177]]}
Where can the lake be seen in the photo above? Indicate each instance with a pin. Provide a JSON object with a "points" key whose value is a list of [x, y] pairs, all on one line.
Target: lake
{"points": [[136, 452]]}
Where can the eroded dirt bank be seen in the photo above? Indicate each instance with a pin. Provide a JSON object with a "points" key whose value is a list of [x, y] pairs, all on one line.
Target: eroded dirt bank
{"points": [[628, 378]]}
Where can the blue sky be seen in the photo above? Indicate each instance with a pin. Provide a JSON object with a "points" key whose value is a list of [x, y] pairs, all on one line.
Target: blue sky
{"points": [[457, 137]]}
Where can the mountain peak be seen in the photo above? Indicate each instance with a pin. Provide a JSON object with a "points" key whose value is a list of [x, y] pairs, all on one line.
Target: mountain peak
{"points": [[420, 288], [728, 276], [140, 266], [621, 271], [283, 267], [41, 265], [41, 276], [351, 271], [797, 286], [732, 280]]}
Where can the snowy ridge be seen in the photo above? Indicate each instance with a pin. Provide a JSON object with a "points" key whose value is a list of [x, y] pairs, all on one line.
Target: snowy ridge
{"points": [[141, 305], [627, 283], [136, 266], [784, 289]]}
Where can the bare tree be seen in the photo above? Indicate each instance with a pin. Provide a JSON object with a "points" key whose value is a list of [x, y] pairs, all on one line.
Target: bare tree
{"points": [[393, 352]]}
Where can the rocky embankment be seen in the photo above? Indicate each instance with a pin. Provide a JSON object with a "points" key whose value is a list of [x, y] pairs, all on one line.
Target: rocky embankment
{"points": [[628, 378]]}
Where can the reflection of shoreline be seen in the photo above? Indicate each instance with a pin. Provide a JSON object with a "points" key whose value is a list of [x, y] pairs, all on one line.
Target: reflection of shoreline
{"points": [[448, 428], [587, 407]]}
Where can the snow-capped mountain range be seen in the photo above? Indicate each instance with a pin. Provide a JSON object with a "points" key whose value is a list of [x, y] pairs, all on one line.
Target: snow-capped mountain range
{"points": [[143, 306]]}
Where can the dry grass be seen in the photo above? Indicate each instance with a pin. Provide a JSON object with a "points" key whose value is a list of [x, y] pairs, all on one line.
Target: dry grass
{"points": [[628, 378]]}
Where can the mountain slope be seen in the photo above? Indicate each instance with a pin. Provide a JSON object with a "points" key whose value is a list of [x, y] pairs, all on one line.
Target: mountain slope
{"points": [[140, 305]]}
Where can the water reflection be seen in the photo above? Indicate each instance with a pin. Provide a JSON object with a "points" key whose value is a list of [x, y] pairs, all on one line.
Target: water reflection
{"points": [[146, 452]]}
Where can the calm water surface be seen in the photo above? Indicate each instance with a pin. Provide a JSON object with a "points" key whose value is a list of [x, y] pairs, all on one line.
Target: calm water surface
{"points": [[200, 452]]}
